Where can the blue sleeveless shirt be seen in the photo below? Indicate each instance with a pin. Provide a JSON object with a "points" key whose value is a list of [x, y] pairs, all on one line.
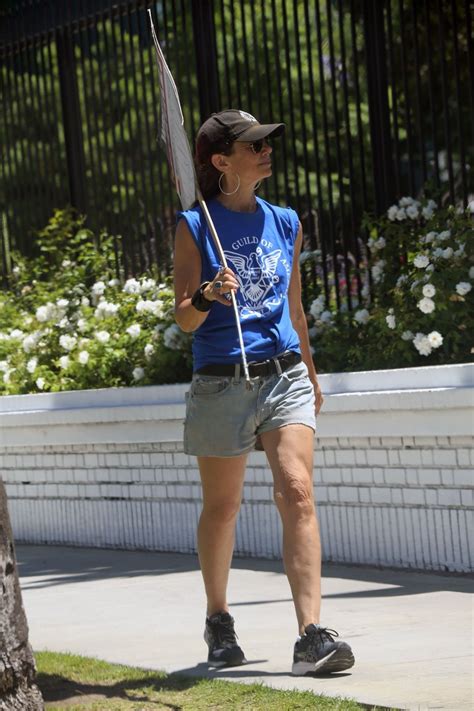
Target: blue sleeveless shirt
{"points": [[259, 249]]}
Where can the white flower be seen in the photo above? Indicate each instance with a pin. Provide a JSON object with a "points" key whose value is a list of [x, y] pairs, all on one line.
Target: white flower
{"points": [[98, 288], [391, 320], [105, 308], [305, 257], [446, 234], [448, 252], [4, 365], [47, 312], [421, 261], [16, 270], [361, 316], [435, 338], [402, 279], [431, 236], [427, 212], [377, 270], [83, 357], [408, 335], [102, 336], [147, 284], [30, 341], [326, 317], [429, 290], [401, 214], [67, 342], [153, 307], [40, 383], [463, 288], [31, 365], [6, 376], [317, 306], [438, 252], [131, 286], [471, 270], [380, 243], [405, 201], [82, 325], [459, 251], [64, 362], [134, 330], [149, 350], [422, 344], [113, 282], [138, 373], [429, 268], [66, 263], [414, 284], [426, 305], [85, 301], [174, 338], [412, 212], [392, 212]]}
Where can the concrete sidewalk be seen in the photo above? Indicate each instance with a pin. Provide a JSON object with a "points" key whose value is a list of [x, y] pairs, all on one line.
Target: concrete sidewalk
{"points": [[411, 632]]}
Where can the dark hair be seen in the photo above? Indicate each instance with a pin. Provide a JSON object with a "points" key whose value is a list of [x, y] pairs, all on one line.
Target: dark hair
{"points": [[207, 175]]}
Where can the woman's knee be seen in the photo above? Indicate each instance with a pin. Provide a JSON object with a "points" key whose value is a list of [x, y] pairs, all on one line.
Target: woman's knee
{"points": [[294, 493], [220, 512]]}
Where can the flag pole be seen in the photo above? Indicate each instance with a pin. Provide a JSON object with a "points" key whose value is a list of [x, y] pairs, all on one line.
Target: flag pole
{"points": [[217, 242]]}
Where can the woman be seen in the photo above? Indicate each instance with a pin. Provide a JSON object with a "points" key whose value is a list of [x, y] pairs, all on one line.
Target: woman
{"points": [[225, 418]]}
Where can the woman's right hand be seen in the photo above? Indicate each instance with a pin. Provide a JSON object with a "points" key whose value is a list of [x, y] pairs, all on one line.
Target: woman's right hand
{"points": [[221, 286]]}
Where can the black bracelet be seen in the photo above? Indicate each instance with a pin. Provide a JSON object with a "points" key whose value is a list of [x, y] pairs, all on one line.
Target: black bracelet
{"points": [[198, 299]]}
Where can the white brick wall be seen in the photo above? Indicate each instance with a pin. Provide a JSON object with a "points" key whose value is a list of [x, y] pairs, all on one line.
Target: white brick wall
{"points": [[96, 468]]}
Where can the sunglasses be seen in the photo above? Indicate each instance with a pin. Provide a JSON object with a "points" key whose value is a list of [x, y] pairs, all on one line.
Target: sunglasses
{"points": [[256, 146]]}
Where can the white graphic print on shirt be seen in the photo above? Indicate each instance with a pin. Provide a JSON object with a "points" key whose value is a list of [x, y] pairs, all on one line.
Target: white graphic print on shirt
{"points": [[256, 273]]}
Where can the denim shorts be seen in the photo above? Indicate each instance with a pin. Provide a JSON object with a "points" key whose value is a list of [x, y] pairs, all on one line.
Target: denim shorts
{"points": [[224, 417]]}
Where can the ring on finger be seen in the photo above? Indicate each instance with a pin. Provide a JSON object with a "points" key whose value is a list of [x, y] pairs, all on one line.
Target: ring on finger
{"points": [[217, 285]]}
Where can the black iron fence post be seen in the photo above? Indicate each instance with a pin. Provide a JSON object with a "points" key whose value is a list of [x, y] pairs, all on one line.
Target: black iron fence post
{"points": [[71, 118], [206, 56], [377, 84]]}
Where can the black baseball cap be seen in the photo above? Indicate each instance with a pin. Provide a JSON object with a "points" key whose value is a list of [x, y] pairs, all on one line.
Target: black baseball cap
{"points": [[235, 125]]}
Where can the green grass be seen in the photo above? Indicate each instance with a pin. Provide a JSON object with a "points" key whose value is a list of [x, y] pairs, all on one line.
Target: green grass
{"points": [[72, 682]]}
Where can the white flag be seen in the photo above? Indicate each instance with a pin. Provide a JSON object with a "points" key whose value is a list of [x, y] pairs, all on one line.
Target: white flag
{"points": [[172, 131]]}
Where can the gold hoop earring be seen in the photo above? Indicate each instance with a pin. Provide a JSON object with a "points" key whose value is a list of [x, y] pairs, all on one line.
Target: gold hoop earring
{"points": [[233, 191], [257, 185]]}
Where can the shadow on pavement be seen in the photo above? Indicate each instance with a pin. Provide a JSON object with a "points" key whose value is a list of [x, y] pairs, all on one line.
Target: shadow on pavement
{"points": [[60, 565]]}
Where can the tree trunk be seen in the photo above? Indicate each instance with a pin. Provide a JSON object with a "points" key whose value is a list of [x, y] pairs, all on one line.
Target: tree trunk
{"points": [[18, 691]]}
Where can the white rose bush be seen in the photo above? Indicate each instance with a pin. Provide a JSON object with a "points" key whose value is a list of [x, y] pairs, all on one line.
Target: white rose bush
{"points": [[68, 322], [420, 309]]}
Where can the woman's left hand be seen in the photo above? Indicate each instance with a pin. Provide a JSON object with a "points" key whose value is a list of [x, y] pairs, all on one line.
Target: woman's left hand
{"points": [[319, 398]]}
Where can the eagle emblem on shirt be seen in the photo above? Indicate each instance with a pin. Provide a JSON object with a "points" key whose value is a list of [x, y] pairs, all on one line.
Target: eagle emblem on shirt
{"points": [[256, 274]]}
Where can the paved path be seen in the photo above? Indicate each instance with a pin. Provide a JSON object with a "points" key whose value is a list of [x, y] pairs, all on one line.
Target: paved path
{"points": [[411, 632]]}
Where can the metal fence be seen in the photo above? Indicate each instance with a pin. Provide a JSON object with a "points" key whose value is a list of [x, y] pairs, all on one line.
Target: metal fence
{"points": [[376, 94]]}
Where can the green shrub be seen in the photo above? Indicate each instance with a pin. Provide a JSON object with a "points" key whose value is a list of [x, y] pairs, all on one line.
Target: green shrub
{"points": [[419, 310], [68, 321]]}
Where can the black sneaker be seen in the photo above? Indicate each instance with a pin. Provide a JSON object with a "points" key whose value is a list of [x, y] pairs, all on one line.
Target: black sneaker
{"points": [[221, 639], [318, 653]]}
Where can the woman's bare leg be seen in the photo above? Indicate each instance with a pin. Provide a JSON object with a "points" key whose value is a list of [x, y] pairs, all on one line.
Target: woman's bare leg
{"points": [[290, 454], [222, 481]]}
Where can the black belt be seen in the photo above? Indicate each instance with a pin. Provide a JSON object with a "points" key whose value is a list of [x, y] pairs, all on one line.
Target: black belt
{"points": [[256, 370]]}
